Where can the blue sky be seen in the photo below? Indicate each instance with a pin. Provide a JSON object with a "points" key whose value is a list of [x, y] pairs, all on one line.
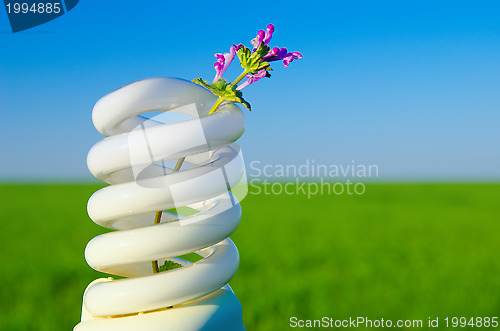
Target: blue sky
{"points": [[412, 86]]}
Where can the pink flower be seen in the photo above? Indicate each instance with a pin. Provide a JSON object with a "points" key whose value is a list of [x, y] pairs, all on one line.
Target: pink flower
{"points": [[223, 61], [252, 79], [258, 40], [252, 64], [289, 57], [268, 34], [276, 54], [273, 52], [218, 71]]}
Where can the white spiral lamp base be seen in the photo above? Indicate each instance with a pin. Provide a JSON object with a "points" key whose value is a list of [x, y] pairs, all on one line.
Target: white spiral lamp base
{"points": [[133, 160]]}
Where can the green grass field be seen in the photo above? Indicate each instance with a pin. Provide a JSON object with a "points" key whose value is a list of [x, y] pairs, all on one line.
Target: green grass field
{"points": [[396, 252]]}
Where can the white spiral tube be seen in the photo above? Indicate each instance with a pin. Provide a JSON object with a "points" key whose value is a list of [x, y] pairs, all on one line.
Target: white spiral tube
{"points": [[195, 296]]}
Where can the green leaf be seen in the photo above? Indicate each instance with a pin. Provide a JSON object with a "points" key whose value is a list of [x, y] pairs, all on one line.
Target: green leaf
{"points": [[225, 90], [237, 96], [203, 83], [253, 62], [169, 265]]}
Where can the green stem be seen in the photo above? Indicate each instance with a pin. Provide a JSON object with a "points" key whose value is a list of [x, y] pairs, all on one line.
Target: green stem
{"points": [[240, 77], [179, 163], [177, 167], [221, 99], [157, 221], [216, 105]]}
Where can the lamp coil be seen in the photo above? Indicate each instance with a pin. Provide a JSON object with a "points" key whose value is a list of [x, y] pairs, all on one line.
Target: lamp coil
{"points": [[198, 203]]}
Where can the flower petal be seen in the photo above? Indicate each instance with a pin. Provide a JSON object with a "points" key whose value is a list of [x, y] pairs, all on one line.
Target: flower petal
{"points": [[282, 53], [287, 59], [268, 34], [228, 58], [253, 78], [218, 71], [220, 58], [272, 52], [258, 40]]}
